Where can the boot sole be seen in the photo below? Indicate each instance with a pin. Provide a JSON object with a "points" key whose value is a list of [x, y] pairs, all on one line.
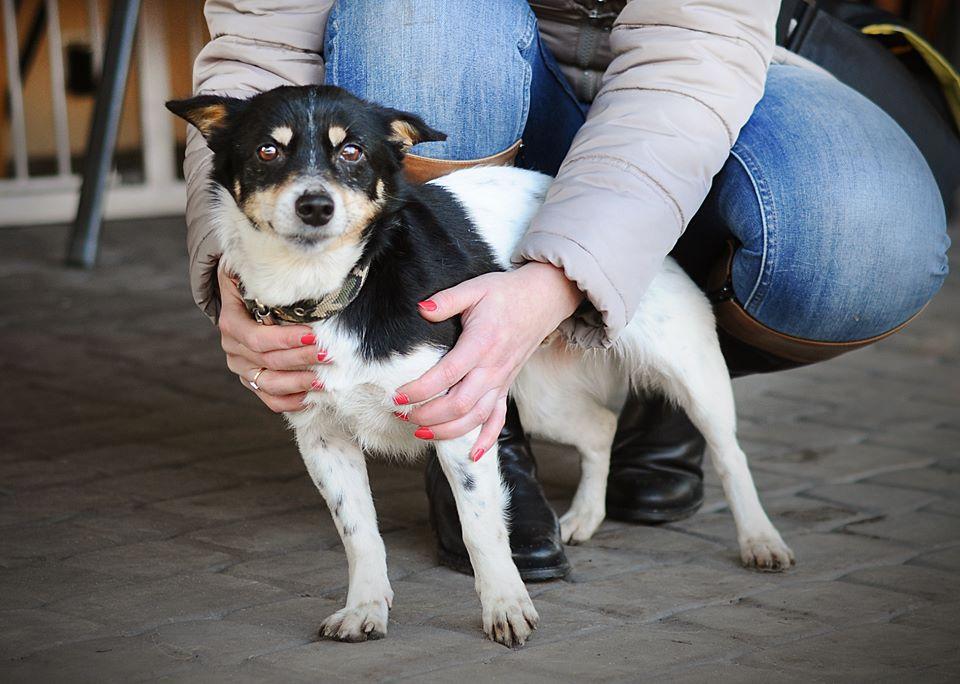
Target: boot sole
{"points": [[652, 516], [462, 565]]}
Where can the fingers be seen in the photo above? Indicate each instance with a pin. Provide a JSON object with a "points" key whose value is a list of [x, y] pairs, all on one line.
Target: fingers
{"points": [[301, 358], [450, 302], [280, 384], [290, 403], [490, 432], [282, 392], [475, 417], [464, 357], [235, 322], [286, 352], [458, 402]]}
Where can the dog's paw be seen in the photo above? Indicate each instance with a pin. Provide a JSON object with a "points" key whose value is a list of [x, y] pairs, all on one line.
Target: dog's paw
{"points": [[578, 526], [767, 553], [365, 622], [509, 620]]}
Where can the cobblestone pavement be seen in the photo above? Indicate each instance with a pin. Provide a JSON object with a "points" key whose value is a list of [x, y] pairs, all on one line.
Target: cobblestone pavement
{"points": [[156, 522]]}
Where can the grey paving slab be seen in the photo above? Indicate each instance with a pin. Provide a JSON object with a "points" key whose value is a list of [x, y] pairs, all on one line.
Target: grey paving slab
{"points": [[940, 617], [29, 630], [846, 462], [916, 528], [35, 585], [133, 609], [928, 583], [299, 617], [156, 523], [408, 650], [151, 560], [942, 482], [862, 652], [295, 530], [947, 559], [871, 498], [944, 506]]}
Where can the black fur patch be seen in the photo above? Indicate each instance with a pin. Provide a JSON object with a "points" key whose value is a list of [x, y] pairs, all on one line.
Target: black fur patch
{"points": [[426, 244]]}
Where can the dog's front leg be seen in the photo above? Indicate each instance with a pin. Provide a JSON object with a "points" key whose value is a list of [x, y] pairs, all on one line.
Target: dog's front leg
{"points": [[508, 614], [337, 467]]}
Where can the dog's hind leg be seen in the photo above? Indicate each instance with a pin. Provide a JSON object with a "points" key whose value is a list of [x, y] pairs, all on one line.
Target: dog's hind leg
{"points": [[696, 376], [563, 413], [592, 435], [508, 614], [337, 468], [558, 394]]}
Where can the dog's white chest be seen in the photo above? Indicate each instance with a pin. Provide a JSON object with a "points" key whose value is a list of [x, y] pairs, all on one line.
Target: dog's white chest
{"points": [[358, 395]]}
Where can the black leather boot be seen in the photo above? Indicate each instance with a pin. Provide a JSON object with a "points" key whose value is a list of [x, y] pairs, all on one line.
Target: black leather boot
{"points": [[655, 473], [655, 466], [534, 530]]}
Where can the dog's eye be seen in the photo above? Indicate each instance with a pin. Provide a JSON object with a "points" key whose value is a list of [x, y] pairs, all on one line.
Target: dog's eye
{"points": [[268, 152], [351, 153]]}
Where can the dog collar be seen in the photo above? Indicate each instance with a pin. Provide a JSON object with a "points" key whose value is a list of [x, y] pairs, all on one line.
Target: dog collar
{"points": [[311, 310]]}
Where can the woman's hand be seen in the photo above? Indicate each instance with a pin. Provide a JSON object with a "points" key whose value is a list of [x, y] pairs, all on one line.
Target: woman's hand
{"points": [[286, 352], [505, 317]]}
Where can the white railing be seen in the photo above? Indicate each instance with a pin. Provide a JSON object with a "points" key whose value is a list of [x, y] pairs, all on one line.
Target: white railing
{"points": [[34, 199]]}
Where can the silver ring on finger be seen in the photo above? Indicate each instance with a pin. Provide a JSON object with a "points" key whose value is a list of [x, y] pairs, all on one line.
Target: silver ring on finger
{"points": [[253, 383]]}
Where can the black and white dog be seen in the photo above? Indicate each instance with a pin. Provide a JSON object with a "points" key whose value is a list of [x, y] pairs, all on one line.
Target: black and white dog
{"points": [[315, 218]]}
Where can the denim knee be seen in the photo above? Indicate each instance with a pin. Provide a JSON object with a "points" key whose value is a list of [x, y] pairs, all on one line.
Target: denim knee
{"points": [[842, 226], [460, 65]]}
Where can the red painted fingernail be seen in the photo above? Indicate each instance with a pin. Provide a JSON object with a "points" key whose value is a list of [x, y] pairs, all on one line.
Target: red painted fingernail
{"points": [[400, 399], [401, 416], [321, 355], [428, 305], [317, 385], [309, 338], [476, 455], [423, 433]]}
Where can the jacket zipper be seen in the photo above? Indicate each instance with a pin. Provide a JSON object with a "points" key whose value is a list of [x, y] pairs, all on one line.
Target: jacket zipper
{"points": [[575, 15]]}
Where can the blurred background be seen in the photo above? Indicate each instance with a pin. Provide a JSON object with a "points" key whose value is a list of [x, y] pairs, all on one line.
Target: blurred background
{"points": [[49, 75]]}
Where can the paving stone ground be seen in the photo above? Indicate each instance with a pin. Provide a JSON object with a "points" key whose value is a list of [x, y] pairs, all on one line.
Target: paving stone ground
{"points": [[156, 522]]}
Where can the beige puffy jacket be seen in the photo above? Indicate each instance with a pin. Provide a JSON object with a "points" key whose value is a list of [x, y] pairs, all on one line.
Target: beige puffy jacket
{"points": [[679, 80]]}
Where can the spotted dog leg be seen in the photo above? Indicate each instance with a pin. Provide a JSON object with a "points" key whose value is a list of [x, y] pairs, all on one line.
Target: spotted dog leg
{"points": [[508, 614], [338, 469]]}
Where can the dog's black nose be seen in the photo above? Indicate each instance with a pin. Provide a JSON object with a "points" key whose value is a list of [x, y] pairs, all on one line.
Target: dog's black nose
{"points": [[315, 210]]}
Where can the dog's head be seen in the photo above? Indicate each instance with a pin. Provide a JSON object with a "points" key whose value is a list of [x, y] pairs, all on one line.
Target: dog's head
{"points": [[310, 166]]}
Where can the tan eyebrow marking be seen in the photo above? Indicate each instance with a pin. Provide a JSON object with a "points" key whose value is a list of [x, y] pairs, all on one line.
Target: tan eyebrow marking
{"points": [[337, 135], [282, 134]]}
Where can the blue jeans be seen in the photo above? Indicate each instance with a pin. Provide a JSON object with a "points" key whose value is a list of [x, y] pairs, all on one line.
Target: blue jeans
{"points": [[840, 225]]}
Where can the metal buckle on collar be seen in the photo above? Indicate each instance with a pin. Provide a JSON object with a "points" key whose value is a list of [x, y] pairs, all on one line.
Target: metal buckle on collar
{"points": [[262, 314]]}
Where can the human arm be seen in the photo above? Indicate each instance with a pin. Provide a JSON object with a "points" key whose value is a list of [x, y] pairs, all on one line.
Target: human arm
{"points": [[685, 77], [252, 50]]}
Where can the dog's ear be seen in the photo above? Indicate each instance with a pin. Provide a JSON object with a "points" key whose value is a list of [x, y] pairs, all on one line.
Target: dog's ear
{"points": [[409, 129], [208, 113]]}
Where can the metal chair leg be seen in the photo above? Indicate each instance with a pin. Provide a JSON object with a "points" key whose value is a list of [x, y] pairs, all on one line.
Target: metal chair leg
{"points": [[85, 237]]}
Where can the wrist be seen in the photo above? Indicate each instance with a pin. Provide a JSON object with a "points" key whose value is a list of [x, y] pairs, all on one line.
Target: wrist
{"points": [[552, 283]]}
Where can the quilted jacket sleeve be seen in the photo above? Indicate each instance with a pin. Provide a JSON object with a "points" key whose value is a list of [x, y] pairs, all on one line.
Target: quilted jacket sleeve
{"points": [[685, 77], [256, 45]]}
